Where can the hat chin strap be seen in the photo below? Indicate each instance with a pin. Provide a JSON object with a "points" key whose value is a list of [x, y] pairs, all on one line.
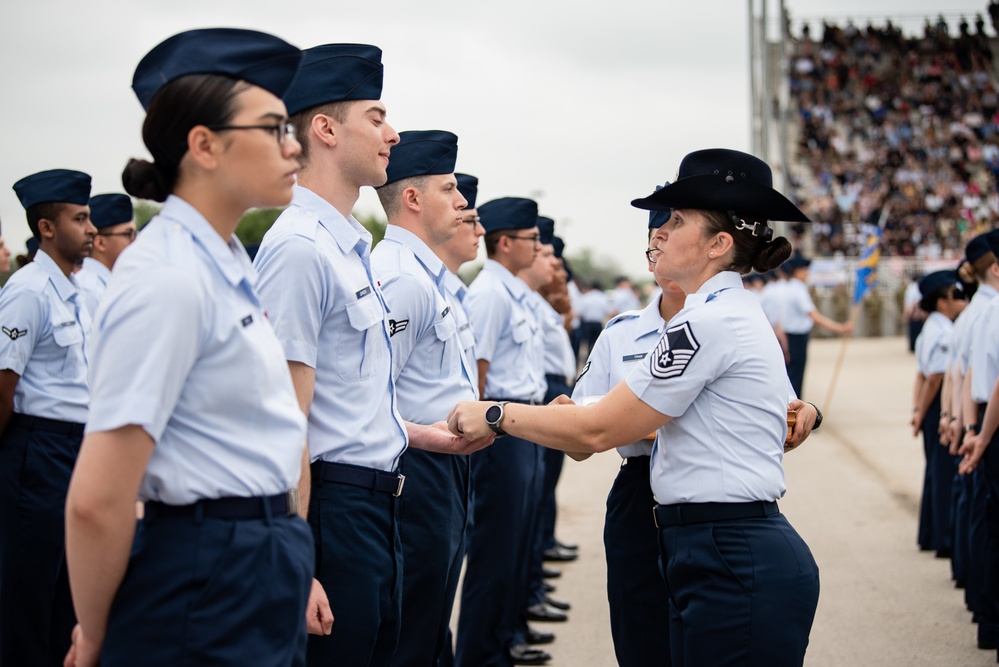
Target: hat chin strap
{"points": [[757, 228]]}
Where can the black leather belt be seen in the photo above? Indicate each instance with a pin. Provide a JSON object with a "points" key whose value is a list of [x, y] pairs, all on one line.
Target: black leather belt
{"points": [[558, 379], [225, 508], [45, 424], [635, 461], [366, 478], [513, 400], [687, 513]]}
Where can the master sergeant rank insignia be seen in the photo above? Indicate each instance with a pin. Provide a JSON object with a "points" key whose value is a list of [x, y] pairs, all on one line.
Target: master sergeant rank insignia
{"points": [[674, 351]]}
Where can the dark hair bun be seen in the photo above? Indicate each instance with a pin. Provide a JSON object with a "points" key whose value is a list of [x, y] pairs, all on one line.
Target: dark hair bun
{"points": [[142, 179], [772, 255], [966, 272]]}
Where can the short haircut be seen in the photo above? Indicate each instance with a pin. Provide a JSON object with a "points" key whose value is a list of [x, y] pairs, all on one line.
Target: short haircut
{"points": [[48, 210], [303, 122]]}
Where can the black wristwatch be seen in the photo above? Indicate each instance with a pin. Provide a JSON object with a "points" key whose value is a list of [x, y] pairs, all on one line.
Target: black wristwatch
{"points": [[970, 428], [494, 415], [818, 417]]}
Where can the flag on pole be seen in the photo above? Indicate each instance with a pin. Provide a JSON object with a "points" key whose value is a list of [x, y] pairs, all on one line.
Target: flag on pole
{"points": [[867, 267]]}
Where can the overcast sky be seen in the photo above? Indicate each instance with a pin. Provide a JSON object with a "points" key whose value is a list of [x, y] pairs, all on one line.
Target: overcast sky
{"points": [[582, 108]]}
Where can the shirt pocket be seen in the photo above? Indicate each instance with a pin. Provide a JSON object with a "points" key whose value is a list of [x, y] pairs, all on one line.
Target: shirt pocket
{"points": [[360, 350], [467, 338], [441, 355], [522, 332], [68, 337]]}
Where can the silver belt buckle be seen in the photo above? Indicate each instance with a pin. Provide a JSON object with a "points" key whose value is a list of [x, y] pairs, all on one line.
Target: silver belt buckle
{"points": [[398, 489], [655, 517], [293, 502]]}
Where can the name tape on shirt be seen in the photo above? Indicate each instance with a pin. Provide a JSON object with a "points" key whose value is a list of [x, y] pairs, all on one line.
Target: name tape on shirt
{"points": [[445, 312], [634, 357], [395, 326], [247, 321], [361, 293], [674, 352], [14, 333]]}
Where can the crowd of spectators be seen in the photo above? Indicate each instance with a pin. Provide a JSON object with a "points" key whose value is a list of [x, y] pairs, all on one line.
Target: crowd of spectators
{"points": [[907, 121]]}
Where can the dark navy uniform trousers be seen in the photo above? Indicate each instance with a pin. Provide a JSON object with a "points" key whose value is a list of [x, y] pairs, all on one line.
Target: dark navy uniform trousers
{"points": [[638, 598], [742, 592], [359, 563], [935, 512], [432, 515], [210, 591], [499, 542], [797, 352], [36, 610]]}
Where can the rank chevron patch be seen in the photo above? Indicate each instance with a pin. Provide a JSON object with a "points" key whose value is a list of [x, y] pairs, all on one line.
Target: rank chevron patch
{"points": [[395, 326], [674, 351], [14, 334]]}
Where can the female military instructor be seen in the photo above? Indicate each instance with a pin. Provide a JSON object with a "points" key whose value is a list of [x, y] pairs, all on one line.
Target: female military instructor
{"points": [[743, 586], [192, 405]]}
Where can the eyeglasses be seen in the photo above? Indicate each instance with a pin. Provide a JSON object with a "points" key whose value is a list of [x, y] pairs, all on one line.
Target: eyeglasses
{"points": [[130, 234], [282, 131], [533, 238], [651, 254], [472, 221]]}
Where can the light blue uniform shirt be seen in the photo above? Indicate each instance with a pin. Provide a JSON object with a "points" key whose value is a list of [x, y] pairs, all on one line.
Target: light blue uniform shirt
{"points": [[796, 304], [45, 332], [92, 280], [772, 300], [623, 345], [559, 358], [933, 344], [507, 334], [328, 312], [967, 328], [719, 372], [182, 348], [984, 354], [428, 363], [455, 292]]}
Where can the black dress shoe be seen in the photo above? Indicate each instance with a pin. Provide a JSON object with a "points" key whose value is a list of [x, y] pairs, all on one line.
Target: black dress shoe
{"points": [[558, 604], [544, 612], [536, 637], [522, 654], [547, 588], [558, 554], [567, 545], [551, 573]]}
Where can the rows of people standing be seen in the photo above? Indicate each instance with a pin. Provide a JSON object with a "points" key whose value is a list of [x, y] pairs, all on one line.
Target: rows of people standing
{"points": [[235, 400], [956, 408], [303, 432]]}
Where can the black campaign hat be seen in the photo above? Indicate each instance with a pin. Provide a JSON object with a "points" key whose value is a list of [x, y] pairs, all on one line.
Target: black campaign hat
{"points": [[422, 153], [719, 179], [55, 185], [336, 73], [255, 57], [109, 210]]}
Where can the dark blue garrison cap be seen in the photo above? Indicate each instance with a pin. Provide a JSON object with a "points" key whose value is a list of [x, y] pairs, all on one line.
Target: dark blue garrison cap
{"points": [[559, 245], [934, 281], [546, 227], [993, 239], [336, 73], [796, 262], [422, 153], [468, 186], [509, 213], [977, 247], [658, 218], [110, 210], [255, 57], [54, 185]]}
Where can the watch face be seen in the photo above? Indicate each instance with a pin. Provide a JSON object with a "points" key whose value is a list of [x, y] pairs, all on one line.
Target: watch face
{"points": [[493, 414]]}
